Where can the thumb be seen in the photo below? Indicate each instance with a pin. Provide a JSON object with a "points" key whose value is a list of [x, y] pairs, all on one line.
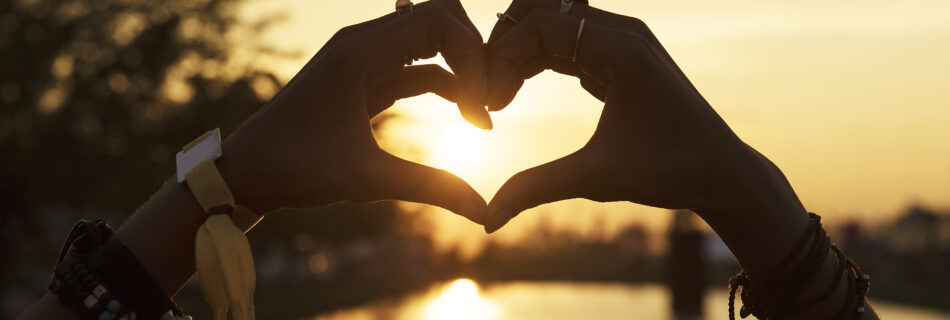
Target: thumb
{"points": [[566, 178], [393, 178]]}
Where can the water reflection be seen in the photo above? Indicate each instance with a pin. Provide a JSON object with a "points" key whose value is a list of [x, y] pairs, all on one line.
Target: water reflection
{"points": [[464, 299], [461, 300]]}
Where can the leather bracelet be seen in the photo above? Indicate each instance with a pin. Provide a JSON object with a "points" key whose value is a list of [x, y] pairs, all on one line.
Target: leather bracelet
{"points": [[799, 268], [101, 279], [127, 277]]}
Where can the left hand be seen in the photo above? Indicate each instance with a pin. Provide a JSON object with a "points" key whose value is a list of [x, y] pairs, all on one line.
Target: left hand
{"points": [[658, 141], [312, 144]]}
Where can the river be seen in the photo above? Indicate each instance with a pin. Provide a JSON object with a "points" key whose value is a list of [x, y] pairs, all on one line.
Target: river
{"points": [[463, 299]]}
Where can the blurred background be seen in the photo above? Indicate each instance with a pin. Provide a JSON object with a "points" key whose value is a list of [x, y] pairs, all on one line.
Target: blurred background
{"points": [[847, 97]]}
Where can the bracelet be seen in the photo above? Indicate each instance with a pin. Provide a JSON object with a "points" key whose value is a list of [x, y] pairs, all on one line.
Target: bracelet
{"points": [[769, 299], [101, 279]]}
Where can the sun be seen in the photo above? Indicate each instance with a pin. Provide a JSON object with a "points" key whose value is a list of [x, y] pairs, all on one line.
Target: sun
{"points": [[458, 147]]}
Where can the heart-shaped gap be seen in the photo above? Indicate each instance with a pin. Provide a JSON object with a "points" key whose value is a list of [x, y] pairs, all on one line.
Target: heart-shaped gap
{"points": [[551, 116]]}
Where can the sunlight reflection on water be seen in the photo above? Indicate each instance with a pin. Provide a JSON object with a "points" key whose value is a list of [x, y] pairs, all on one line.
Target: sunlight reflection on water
{"points": [[461, 300], [464, 299]]}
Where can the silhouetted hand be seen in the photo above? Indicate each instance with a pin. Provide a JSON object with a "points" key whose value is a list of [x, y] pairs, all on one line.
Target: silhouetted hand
{"points": [[658, 142], [312, 144]]}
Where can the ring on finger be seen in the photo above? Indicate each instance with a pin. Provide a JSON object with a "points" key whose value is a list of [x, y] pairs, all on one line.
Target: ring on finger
{"points": [[577, 41], [404, 7], [504, 16], [566, 5]]}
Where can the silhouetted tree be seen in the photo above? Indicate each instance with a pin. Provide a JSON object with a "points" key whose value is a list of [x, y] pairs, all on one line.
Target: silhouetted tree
{"points": [[97, 98]]}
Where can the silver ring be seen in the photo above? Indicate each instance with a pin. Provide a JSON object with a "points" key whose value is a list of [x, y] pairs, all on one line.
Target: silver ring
{"points": [[404, 6], [566, 5], [505, 16], [577, 42]]}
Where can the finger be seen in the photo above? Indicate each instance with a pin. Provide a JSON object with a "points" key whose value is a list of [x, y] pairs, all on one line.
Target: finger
{"points": [[423, 33], [613, 32], [392, 178], [518, 9], [455, 7], [567, 67], [540, 37], [569, 177], [580, 9], [341, 34], [412, 81], [506, 72], [505, 80], [596, 89]]}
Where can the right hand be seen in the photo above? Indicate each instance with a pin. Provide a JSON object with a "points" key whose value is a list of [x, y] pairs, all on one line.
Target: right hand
{"points": [[658, 142], [313, 144]]}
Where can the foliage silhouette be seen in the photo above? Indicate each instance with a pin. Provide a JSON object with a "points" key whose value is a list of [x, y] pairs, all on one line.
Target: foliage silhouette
{"points": [[97, 98]]}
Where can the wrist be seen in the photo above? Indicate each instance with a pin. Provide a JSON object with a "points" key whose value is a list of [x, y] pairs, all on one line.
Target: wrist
{"points": [[161, 235], [761, 218], [240, 174]]}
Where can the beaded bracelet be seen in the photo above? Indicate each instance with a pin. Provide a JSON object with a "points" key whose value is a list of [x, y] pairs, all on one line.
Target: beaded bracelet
{"points": [[101, 279], [769, 299]]}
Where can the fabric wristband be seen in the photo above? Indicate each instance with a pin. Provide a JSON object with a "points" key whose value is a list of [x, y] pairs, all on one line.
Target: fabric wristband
{"points": [[206, 180], [222, 254]]}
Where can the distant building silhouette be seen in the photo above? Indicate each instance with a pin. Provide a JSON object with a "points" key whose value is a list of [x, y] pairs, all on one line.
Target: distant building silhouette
{"points": [[917, 230], [687, 269]]}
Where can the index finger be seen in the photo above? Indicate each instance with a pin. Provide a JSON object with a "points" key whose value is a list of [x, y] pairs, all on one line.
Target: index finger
{"points": [[430, 28], [518, 9], [505, 82]]}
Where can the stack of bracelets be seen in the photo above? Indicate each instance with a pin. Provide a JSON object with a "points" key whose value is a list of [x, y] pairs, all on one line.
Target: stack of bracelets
{"points": [[101, 279], [771, 299]]}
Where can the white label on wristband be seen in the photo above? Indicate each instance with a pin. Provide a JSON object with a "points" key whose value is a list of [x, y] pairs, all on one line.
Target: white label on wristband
{"points": [[208, 148]]}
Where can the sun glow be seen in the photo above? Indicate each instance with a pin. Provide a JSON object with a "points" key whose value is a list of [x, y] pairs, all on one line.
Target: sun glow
{"points": [[461, 301], [458, 147]]}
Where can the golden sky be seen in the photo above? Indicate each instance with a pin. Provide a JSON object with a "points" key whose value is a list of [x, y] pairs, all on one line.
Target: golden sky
{"points": [[848, 98]]}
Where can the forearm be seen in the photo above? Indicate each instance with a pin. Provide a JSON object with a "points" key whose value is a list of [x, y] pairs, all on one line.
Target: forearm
{"points": [[762, 229], [161, 234]]}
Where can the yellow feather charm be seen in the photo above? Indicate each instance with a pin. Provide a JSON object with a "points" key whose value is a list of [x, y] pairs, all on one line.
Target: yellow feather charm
{"points": [[225, 268], [222, 254]]}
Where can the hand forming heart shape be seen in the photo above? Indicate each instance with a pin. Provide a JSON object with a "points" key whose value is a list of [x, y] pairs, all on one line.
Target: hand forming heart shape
{"points": [[313, 144], [658, 142]]}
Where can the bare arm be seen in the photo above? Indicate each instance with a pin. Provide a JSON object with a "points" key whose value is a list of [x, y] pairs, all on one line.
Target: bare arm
{"points": [[658, 142], [161, 234], [313, 145]]}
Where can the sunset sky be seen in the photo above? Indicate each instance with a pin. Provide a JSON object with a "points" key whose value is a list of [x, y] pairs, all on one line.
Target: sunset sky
{"points": [[848, 98]]}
